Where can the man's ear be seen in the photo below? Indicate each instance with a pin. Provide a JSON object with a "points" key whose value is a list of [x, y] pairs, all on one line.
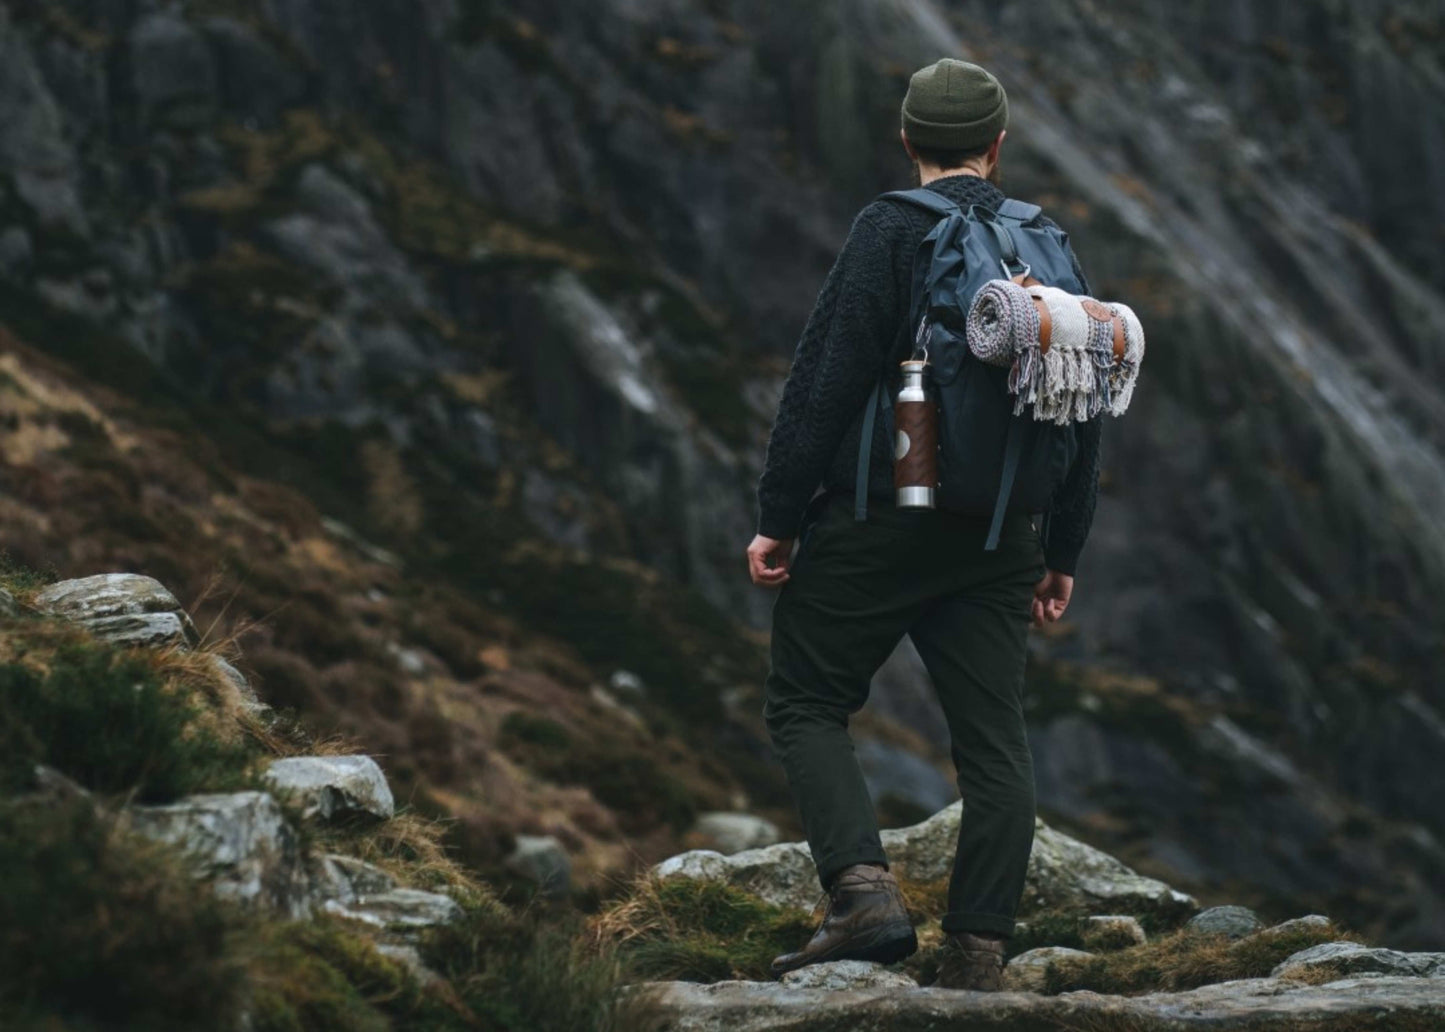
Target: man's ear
{"points": [[908, 149], [994, 147]]}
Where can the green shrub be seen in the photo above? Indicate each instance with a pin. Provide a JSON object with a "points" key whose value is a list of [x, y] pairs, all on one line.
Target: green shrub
{"points": [[106, 719], [100, 925]]}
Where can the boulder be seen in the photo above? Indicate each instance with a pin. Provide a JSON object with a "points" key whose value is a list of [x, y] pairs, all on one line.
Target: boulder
{"points": [[1112, 932], [126, 608], [847, 974], [8, 605], [1063, 872], [542, 859], [240, 842], [1232, 921], [1353, 958], [730, 833], [332, 787], [1027, 971]]}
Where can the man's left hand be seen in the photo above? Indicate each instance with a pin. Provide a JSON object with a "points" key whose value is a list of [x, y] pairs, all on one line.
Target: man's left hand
{"points": [[1051, 597]]}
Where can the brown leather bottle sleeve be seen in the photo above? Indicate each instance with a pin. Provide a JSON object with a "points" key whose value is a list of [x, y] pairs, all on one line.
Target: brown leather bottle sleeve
{"points": [[918, 467]]}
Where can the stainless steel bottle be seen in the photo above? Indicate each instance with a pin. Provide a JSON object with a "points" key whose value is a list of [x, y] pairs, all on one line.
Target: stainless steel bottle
{"points": [[915, 449]]}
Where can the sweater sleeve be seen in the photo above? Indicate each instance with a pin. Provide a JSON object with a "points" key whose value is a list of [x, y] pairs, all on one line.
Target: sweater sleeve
{"points": [[837, 362]]}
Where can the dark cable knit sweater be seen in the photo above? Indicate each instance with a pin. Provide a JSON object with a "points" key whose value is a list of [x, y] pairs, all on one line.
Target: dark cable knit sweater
{"points": [[857, 331]]}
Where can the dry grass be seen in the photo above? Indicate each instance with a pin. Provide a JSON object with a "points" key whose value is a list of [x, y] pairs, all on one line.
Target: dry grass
{"points": [[411, 848]]}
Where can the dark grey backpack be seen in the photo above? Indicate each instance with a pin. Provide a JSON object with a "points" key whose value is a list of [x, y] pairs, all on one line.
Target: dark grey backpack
{"points": [[989, 460]]}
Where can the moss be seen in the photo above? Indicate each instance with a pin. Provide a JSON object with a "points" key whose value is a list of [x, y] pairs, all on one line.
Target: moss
{"points": [[107, 719], [698, 930]]}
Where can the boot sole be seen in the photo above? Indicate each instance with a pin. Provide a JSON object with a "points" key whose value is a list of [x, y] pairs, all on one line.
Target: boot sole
{"points": [[886, 945]]}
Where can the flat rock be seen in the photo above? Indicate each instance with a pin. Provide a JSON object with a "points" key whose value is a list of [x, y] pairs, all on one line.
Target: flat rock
{"points": [[847, 974], [1027, 971], [346, 879], [399, 908], [1062, 871], [1234, 921], [1352, 958], [331, 787], [730, 833], [240, 842], [1253, 1005], [126, 608]]}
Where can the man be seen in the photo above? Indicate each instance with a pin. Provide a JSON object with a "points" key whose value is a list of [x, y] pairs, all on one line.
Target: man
{"points": [[856, 587]]}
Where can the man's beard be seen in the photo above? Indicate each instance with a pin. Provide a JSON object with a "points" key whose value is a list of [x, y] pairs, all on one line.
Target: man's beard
{"points": [[994, 176]]}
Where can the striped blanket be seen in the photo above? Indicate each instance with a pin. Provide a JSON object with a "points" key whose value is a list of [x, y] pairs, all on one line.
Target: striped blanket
{"points": [[1072, 357]]}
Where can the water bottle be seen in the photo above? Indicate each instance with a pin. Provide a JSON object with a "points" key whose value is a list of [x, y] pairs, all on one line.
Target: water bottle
{"points": [[915, 449]]}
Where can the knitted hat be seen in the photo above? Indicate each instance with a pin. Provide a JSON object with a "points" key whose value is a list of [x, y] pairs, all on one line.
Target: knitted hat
{"points": [[953, 105]]}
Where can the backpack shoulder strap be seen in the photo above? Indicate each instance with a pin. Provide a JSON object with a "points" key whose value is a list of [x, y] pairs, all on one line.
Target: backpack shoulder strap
{"points": [[924, 198], [1018, 211]]}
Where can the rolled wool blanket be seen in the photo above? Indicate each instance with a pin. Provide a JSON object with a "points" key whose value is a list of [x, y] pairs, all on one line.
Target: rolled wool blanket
{"points": [[1077, 376]]}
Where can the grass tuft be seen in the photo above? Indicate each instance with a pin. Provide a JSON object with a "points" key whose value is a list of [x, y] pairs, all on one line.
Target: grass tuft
{"points": [[697, 931]]}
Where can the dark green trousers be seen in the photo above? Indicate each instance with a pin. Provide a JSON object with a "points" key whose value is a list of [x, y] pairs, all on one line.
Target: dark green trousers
{"points": [[855, 589]]}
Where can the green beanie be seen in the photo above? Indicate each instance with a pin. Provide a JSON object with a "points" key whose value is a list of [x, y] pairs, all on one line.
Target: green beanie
{"points": [[953, 105]]}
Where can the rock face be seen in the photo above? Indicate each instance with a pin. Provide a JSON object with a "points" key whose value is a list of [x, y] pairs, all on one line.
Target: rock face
{"points": [[1253, 1005], [1063, 872], [125, 608], [240, 842], [334, 787]]}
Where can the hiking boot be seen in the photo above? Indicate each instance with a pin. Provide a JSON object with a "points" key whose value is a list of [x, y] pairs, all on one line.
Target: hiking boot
{"points": [[865, 920], [970, 961]]}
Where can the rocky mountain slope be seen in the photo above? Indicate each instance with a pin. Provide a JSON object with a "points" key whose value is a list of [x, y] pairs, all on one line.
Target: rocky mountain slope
{"points": [[509, 290]]}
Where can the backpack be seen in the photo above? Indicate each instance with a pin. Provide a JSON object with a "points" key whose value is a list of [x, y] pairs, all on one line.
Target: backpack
{"points": [[989, 460]]}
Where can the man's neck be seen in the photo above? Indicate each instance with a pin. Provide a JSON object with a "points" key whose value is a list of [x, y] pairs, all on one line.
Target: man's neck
{"points": [[928, 173]]}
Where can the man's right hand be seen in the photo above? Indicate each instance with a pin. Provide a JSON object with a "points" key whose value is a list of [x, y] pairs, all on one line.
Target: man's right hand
{"points": [[768, 560]]}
